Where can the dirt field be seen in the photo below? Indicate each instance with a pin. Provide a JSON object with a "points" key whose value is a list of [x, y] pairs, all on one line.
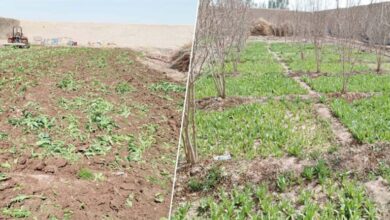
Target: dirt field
{"points": [[121, 35], [85, 133]]}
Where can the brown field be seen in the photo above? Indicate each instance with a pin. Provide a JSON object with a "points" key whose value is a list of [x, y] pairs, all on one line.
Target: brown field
{"points": [[90, 133]]}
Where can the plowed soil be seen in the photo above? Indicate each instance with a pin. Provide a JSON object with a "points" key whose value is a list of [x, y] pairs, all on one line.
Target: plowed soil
{"points": [[44, 180]]}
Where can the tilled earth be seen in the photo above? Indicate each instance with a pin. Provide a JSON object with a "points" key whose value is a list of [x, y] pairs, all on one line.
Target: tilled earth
{"points": [[85, 134]]}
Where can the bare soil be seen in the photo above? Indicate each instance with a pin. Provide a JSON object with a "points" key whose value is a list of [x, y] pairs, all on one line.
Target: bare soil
{"points": [[135, 36], [351, 96], [52, 181], [379, 192]]}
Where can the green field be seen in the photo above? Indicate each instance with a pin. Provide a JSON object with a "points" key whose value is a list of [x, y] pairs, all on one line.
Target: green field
{"points": [[276, 128], [281, 129], [259, 75], [330, 60], [367, 119]]}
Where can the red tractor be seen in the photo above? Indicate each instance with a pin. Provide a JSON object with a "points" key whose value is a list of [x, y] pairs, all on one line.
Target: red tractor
{"points": [[17, 39]]}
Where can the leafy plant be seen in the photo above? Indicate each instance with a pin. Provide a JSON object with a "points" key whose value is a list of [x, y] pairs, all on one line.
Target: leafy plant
{"points": [[68, 83], [97, 112], [3, 136], [259, 75], [3, 177], [167, 87], [85, 174], [367, 119], [274, 128], [100, 146], [309, 173], [282, 182], [16, 212], [32, 122], [208, 182], [123, 88]]}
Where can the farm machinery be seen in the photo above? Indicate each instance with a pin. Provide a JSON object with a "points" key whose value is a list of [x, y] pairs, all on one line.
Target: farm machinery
{"points": [[17, 39]]}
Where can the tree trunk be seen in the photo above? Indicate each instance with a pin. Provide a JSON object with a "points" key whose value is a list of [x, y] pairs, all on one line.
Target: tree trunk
{"points": [[379, 59], [317, 51]]}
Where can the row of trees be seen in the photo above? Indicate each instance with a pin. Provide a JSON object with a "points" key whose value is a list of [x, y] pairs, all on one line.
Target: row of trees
{"points": [[223, 27], [346, 26], [272, 4], [221, 32]]}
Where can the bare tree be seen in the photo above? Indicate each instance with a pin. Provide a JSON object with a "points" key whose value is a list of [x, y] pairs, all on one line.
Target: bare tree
{"points": [[199, 55], [300, 27], [347, 33], [241, 29], [227, 36], [222, 44], [317, 30], [377, 32], [221, 27]]}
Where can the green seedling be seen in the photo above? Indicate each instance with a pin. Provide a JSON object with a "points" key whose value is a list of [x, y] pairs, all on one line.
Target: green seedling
{"points": [[123, 88], [85, 174], [167, 87], [16, 212]]}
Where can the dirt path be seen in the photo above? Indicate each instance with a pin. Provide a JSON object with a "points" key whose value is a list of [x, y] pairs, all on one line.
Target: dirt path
{"points": [[343, 135], [218, 104], [159, 60], [352, 156]]}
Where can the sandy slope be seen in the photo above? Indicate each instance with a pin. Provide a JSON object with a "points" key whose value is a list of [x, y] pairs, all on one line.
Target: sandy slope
{"points": [[122, 35]]}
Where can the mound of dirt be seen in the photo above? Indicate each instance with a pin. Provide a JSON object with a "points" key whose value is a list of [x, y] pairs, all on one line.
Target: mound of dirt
{"points": [[261, 27], [5, 26], [180, 60]]}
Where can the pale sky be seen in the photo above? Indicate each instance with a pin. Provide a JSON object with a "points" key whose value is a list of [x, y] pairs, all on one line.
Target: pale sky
{"points": [[326, 4], [110, 11]]}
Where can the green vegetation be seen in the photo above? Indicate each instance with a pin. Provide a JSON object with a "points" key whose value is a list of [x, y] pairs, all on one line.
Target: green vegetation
{"points": [[85, 174], [259, 75], [291, 54], [363, 81], [90, 113], [368, 119], [275, 128], [357, 83], [384, 171], [32, 122], [145, 140], [70, 107], [3, 177], [348, 201], [3, 136], [278, 128], [123, 88], [322, 196], [68, 83], [167, 87], [208, 182], [16, 213]]}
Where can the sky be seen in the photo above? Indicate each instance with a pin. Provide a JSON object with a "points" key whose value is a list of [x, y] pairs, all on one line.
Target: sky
{"points": [[327, 4], [106, 11]]}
